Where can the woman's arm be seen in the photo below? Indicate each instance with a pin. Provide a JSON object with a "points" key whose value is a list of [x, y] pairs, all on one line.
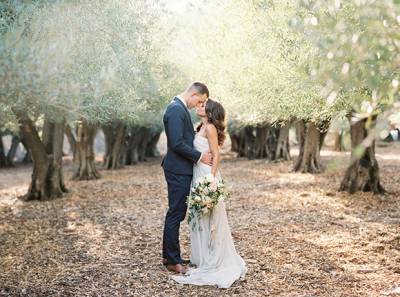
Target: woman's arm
{"points": [[212, 136]]}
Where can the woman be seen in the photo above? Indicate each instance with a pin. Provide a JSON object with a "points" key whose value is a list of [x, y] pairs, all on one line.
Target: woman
{"points": [[212, 247]]}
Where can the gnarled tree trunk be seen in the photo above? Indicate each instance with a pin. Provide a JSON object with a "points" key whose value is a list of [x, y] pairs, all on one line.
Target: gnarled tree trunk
{"points": [[71, 139], [144, 140], [363, 172], [47, 177], [248, 142], [281, 149], [85, 156], [138, 139], [115, 140], [151, 150], [262, 141], [233, 135], [310, 140], [272, 142], [241, 143]]}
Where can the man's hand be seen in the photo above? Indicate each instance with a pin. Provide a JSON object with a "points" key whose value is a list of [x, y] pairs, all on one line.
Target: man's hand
{"points": [[207, 159]]}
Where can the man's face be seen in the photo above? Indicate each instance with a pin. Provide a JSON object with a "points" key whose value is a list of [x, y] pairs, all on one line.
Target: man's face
{"points": [[197, 100]]}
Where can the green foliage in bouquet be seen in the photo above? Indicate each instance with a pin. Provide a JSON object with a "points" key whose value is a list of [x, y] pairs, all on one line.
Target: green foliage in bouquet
{"points": [[205, 195]]}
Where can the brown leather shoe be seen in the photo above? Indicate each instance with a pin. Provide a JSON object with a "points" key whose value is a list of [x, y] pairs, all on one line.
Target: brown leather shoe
{"points": [[177, 268]]}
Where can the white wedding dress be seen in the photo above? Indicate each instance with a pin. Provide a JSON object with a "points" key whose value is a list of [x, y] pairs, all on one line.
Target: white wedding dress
{"points": [[213, 251]]}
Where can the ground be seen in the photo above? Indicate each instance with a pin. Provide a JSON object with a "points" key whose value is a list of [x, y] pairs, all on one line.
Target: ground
{"points": [[297, 234]]}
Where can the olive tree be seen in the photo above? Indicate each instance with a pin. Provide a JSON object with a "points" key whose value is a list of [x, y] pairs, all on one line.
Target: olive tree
{"points": [[257, 65], [82, 63], [358, 44]]}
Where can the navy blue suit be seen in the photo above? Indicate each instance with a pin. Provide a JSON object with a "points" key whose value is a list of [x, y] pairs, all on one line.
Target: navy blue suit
{"points": [[178, 170]]}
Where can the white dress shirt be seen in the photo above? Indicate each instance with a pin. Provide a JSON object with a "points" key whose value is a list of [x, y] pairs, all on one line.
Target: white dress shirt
{"points": [[183, 101]]}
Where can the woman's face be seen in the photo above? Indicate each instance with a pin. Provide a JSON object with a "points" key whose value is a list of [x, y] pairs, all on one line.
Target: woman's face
{"points": [[201, 110]]}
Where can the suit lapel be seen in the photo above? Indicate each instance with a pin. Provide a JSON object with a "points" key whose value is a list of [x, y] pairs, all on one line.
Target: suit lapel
{"points": [[187, 112]]}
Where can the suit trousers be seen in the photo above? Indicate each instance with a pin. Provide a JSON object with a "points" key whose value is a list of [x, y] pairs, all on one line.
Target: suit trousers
{"points": [[178, 190]]}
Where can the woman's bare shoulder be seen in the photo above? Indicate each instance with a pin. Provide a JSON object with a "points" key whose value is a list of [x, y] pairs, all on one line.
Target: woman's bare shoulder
{"points": [[210, 128], [211, 132]]}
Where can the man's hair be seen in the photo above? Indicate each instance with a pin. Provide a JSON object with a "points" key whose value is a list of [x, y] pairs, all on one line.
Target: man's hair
{"points": [[200, 88]]}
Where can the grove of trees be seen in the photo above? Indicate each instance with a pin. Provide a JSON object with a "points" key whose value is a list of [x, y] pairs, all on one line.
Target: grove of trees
{"points": [[302, 63], [75, 67]]}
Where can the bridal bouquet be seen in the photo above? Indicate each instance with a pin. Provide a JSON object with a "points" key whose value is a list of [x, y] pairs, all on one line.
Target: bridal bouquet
{"points": [[204, 196]]}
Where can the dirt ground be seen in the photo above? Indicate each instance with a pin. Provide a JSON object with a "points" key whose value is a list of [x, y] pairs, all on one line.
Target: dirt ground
{"points": [[297, 234]]}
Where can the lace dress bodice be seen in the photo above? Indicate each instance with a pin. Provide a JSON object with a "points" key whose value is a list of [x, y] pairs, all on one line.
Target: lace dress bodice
{"points": [[200, 169]]}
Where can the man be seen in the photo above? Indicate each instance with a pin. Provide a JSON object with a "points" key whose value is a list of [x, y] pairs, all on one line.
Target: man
{"points": [[178, 168]]}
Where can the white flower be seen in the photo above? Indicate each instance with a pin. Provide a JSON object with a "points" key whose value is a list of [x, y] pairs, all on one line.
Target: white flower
{"points": [[213, 186]]}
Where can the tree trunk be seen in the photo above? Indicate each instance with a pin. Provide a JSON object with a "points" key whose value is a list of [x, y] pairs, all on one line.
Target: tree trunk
{"points": [[260, 142], [13, 150], [145, 139], [3, 158], [310, 141], [71, 140], [247, 142], [282, 151], [131, 154], [53, 139], [85, 156], [241, 145], [298, 133], [234, 141], [47, 178], [115, 139], [272, 142], [339, 141], [28, 155], [138, 139], [151, 150], [363, 172], [264, 141]]}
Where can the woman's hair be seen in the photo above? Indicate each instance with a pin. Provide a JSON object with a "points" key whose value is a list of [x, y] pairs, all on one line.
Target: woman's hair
{"points": [[215, 113]]}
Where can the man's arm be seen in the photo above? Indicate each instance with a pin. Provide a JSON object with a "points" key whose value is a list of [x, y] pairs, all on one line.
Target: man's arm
{"points": [[175, 124]]}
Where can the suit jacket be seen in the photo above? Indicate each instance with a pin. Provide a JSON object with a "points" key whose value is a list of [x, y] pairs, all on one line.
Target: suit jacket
{"points": [[178, 127]]}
